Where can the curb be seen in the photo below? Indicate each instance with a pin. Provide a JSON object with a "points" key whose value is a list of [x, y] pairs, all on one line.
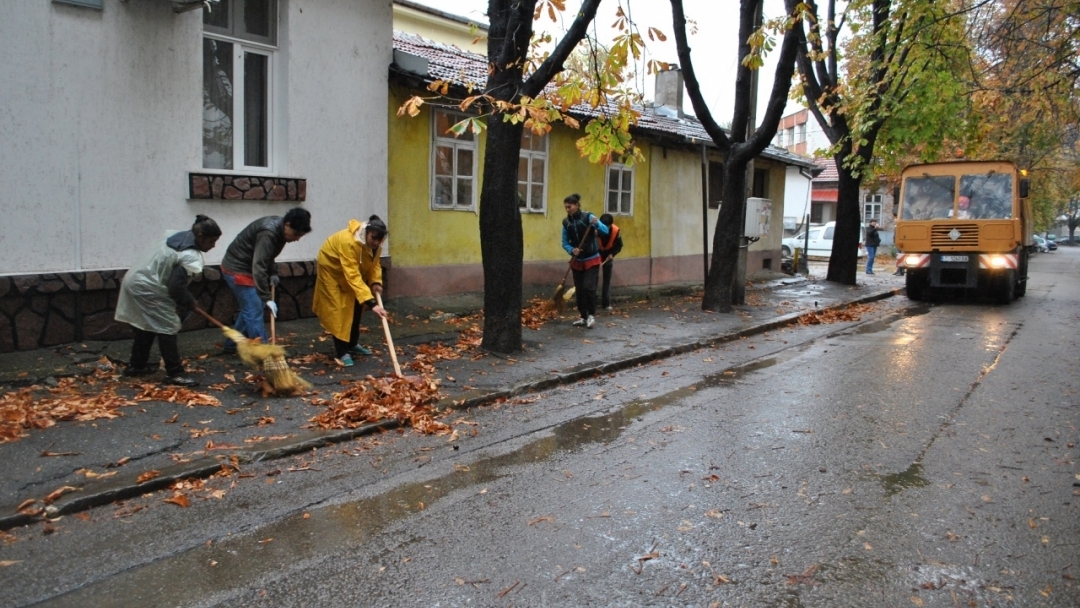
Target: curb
{"points": [[127, 486]]}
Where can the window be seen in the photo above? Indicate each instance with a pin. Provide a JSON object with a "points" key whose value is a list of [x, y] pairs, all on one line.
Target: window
{"points": [[791, 136], [620, 190], [872, 208], [801, 133], [780, 138], [239, 43], [532, 172], [761, 184], [716, 184], [453, 172], [817, 212]]}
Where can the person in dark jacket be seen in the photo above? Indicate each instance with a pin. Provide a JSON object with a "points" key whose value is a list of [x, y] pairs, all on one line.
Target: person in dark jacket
{"points": [[579, 239], [250, 269], [872, 241], [610, 246], [155, 289]]}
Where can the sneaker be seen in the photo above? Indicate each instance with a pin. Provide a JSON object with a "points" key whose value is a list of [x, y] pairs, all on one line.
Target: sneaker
{"points": [[869, 272], [181, 381], [360, 349], [135, 372], [579, 322], [898, 273], [590, 322], [608, 308], [345, 360]]}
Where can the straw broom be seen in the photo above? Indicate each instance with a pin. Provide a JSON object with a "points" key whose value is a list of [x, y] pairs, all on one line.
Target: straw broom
{"points": [[267, 358], [558, 301]]}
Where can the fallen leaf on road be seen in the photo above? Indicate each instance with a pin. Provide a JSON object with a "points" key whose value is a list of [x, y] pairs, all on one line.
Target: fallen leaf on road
{"points": [[48, 454], [546, 518], [147, 476], [4, 563], [58, 493], [178, 499], [174, 418]]}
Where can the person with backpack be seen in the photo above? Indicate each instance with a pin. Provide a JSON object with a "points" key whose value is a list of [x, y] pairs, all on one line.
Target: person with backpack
{"points": [[873, 241], [610, 246], [580, 230]]}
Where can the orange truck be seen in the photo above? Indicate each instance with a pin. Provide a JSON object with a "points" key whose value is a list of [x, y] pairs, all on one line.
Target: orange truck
{"points": [[964, 225]]}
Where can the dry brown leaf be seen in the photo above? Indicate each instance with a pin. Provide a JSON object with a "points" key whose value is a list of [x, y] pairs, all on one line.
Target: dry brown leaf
{"points": [[147, 476], [179, 499], [58, 493]]}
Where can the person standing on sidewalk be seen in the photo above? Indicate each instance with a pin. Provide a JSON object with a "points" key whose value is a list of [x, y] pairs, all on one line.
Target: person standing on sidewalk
{"points": [[580, 239], [156, 289], [249, 268], [610, 246], [873, 241], [348, 277]]}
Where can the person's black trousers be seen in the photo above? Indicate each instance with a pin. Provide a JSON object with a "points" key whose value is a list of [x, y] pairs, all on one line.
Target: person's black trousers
{"points": [[605, 292], [341, 348], [585, 289], [170, 352]]}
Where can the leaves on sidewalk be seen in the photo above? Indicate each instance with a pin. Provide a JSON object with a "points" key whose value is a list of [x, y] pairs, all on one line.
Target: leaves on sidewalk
{"points": [[174, 394], [852, 312], [407, 401]]}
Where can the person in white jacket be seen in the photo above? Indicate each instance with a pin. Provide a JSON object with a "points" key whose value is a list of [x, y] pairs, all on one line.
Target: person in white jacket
{"points": [[155, 289]]}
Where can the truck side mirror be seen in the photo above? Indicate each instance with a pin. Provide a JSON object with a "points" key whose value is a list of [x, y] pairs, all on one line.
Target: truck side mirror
{"points": [[1025, 186], [896, 200]]}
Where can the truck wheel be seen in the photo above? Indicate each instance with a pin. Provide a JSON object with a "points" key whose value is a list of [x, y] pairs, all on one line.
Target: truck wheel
{"points": [[785, 250], [915, 285], [1006, 288]]}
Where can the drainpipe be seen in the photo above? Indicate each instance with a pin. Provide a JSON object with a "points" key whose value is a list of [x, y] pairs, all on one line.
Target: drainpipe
{"points": [[705, 212]]}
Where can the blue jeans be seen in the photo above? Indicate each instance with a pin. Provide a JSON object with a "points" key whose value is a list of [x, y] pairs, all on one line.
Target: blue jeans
{"points": [[870, 253], [249, 319]]}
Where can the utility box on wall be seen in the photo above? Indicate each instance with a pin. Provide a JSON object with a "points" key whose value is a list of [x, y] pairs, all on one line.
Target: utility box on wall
{"points": [[758, 212]]}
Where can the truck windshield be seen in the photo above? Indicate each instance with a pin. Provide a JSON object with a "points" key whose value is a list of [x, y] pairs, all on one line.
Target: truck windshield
{"points": [[991, 195], [928, 197]]}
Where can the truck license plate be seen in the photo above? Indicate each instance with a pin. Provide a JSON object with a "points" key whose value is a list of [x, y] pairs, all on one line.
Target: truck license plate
{"points": [[954, 258]]}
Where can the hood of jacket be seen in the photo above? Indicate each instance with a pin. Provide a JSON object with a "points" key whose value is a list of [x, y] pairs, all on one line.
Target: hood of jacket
{"points": [[181, 241]]}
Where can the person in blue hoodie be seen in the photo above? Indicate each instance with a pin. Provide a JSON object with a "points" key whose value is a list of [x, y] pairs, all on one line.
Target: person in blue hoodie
{"points": [[155, 289]]}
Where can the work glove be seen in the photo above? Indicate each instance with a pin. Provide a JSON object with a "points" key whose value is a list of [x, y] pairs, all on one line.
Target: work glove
{"points": [[275, 280], [273, 308]]}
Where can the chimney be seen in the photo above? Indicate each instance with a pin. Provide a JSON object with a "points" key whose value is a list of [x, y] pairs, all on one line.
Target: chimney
{"points": [[669, 92]]}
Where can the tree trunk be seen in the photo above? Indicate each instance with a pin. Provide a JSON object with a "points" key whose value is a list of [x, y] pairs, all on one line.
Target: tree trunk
{"points": [[844, 260], [725, 254], [501, 239]]}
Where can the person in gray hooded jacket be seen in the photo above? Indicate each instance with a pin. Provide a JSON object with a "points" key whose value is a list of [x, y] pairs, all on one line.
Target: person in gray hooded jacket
{"points": [[155, 289], [250, 269]]}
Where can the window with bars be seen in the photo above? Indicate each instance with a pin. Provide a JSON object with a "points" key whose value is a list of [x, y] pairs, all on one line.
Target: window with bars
{"points": [[239, 48], [620, 190], [532, 173], [453, 174]]}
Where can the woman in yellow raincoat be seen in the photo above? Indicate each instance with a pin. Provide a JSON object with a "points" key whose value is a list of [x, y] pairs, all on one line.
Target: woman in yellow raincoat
{"points": [[348, 277]]}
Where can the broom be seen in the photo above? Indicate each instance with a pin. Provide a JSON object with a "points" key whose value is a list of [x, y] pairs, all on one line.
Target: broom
{"points": [[558, 301], [267, 358]]}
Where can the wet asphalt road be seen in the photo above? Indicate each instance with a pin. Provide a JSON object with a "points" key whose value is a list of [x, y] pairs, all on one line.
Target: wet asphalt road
{"points": [[924, 456]]}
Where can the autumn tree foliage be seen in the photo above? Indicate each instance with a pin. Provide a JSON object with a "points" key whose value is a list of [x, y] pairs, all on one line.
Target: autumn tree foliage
{"points": [[873, 62], [739, 146]]}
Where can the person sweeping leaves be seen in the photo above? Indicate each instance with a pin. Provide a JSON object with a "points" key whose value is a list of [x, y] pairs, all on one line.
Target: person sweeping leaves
{"points": [[155, 289], [347, 278]]}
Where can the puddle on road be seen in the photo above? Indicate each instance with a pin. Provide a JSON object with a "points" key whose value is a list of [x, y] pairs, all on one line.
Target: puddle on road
{"points": [[206, 571], [910, 478]]}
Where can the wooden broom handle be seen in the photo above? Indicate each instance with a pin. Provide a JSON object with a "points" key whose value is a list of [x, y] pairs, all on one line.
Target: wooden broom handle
{"points": [[389, 340], [273, 330], [209, 318]]}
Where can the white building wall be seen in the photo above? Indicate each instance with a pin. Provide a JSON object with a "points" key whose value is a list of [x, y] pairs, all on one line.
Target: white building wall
{"points": [[797, 195], [101, 122]]}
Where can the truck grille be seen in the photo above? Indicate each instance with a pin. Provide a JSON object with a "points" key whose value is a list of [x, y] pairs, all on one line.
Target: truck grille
{"points": [[969, 236]]}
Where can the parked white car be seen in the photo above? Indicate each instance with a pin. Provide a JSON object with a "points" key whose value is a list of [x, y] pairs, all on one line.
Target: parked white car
{"points": [[821, 241]]}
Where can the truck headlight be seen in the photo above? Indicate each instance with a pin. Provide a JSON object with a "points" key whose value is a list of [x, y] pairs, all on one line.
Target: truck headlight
{"points": [[998, 261]]}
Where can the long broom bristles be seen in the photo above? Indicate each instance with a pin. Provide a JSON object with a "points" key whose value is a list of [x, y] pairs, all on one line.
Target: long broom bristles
{"points": [[270, 360]]}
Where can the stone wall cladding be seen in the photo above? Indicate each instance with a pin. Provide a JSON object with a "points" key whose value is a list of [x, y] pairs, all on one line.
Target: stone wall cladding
{"points": [[44, 310], [209, 186]]}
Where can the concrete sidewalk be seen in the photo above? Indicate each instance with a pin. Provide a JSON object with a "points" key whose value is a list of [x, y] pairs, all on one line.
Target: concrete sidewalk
{"points": [[103, 459]]}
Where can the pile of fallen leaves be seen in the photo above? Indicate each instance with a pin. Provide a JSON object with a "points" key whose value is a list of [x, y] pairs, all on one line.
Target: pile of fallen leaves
{"points": [[82, 399], [91, 397], [537, 313], [853, 312], [409, 401]]}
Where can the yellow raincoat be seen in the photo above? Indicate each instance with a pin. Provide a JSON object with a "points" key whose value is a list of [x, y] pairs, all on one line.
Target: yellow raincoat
{"points": [[346, 269]]}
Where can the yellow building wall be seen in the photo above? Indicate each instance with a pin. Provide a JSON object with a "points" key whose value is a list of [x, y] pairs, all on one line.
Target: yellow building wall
{"points": [[419, 235], [676, 196]]}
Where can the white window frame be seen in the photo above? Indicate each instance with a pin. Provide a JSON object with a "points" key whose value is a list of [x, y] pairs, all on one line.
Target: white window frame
{"points": [[240, 47], [445, 139], [801, 133], [780, 137], [530, 156], [870, 203], [621, 168]]}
